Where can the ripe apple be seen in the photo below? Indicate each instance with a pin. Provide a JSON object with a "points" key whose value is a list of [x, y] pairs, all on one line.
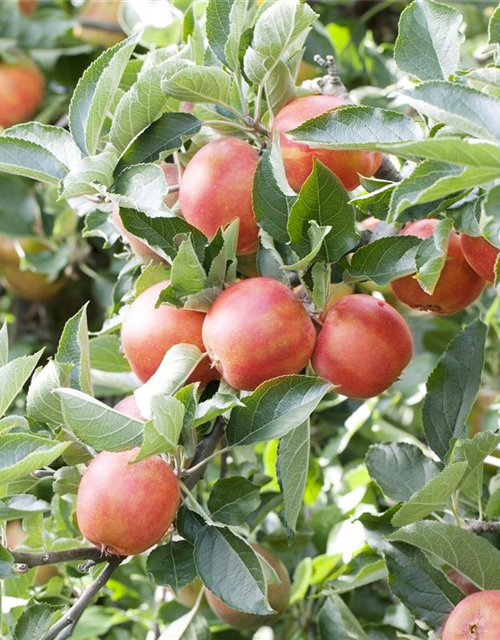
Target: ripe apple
{"points": [[129, 407], [21, 92], [257, 330], [99, 11], [363, 347], [458, 285], [126, 508], [481, 255], [298, 157], [475, 618], [278, 595], [216, 188], [138, 246], [149, 332], [29, 285]]}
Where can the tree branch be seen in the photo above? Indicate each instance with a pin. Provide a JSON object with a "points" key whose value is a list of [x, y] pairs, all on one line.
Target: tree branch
{"points": [[477, 526], [100, 25], [30, 560], [64, 627], [204, 450], [387, 171]]}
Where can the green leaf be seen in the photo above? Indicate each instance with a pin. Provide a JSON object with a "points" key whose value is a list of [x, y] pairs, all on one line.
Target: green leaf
{"points": [[96, 424], [365, 568], [20, 454], [91, 175], [311, 248], [24, 158], [272, 198], [162, 432], [161, 232], [431, 256], [18, 206], [176, 367], [172, 565], [4, 345], [217, 405], [291, 469], [354, 127], [422, 588], [456, 105], [436, 493], [161, 138], [385, 259], [275, 408], [66, 481], [231, 570], [74, 348], [13, 376], [233, 499], [95, 92], [35, 621], [429, 39], [400, 469], [491, 208], [475, 451], [21, 506], [56, 140], [106, 354], [324, 199], [188, 275], [218, 26], [237, 27], [337, 622], [142, 187], [452, 388], [6, 565], [494, 27], [280, 87], [472, 556], [42, 404], [200, 84], [143, 103]]}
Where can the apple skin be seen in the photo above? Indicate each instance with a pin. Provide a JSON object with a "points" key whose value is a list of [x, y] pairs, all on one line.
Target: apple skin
{"points": [[129, 407], [363, 347], [99, 11], [298, 157], [21, 92], [123, 508], [148, 333], [458, 285], [257, 330], [278, 596], [216, 187], [27, 7], [28, 285], [481, 256], [475, 618], [138, 246]]}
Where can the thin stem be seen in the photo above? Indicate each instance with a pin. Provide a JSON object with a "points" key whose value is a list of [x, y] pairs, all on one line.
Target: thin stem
{"points": [[482, 527], [64, 627], [195, 504], [455, 510], [204, 462]]}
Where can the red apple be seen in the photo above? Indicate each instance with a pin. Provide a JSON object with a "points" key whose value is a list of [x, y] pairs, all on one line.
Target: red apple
{"points": [[126, 508], [216, 188], [458, 285], [363, 347], [149, 332], [21, 92], [129, 407], [298, 157], [481, 255], [475, 618], [257, 330]]}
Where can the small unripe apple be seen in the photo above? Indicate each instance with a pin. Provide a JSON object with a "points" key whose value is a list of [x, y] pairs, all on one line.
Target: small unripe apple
{"points": [[21, 92], [99, 11], [363, 347], [298, 157], [129, 407], [216, 188], [481, 255], [458, 285], [189, 594], [278, 595], [257, 330], [29, 285], [138, 246], [149, 332], [475, 618], [125, 508]]}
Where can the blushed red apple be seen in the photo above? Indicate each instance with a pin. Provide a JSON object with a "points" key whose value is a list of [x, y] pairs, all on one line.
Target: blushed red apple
{"points": [[216, 188], [363, 347], [257, 330], [481, 255], [298, 157], [22, 88], [475, 618]]}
